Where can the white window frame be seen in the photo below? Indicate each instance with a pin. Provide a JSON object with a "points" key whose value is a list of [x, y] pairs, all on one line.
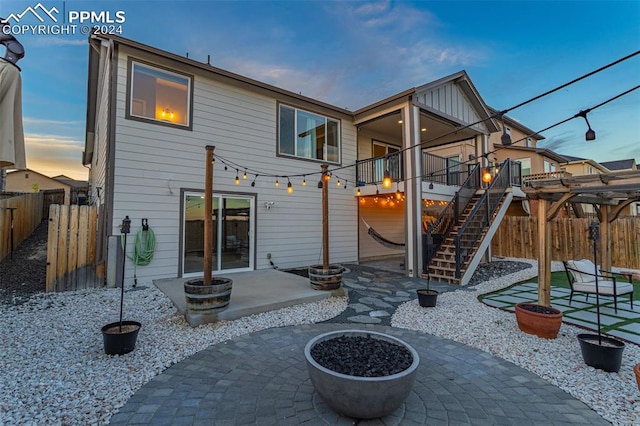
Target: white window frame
{"points": [[325, 152], [133, 63]]}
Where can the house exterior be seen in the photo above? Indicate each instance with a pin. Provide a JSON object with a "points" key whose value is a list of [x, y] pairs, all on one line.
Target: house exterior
{"points": [[32, 181], [151, 113]]}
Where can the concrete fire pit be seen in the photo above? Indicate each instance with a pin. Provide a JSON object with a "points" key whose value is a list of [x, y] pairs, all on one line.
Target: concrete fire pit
{"points": [[361, 397]]}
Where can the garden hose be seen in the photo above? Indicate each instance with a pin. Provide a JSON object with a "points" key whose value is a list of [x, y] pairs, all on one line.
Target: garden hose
{"points": [[143, 248]]}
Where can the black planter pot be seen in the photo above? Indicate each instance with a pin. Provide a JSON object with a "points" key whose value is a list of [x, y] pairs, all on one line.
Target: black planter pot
{"points": [[607, 356], [427, 298], [120, 341]]}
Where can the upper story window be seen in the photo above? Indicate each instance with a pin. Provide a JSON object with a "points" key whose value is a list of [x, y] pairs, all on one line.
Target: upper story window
{"points": [[305, 134], [525, 166], [159, 95]]}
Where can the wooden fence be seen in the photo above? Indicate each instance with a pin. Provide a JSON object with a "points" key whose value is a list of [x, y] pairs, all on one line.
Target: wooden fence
{"points": [[71, 248], [27, 215], [517, 237]]}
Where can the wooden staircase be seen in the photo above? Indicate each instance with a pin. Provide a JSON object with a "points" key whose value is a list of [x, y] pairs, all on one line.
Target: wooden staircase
{"points": [[443, 265], [477, 236]]}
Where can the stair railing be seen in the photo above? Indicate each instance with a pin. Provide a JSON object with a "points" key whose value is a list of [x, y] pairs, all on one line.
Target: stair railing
{"points": [[482, 213], [438, 231]]}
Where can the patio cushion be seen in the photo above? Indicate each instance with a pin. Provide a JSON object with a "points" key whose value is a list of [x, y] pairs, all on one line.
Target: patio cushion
{"points": [[604, 287], [586, 270]]}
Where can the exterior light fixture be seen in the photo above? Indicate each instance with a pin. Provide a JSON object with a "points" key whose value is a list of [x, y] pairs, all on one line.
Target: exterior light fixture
{"points": [[244, 176], [237, 178], [338, 183], [398, 194], [591, 134], [304, 181], [289, 187], [277, 183], [386, 181], [486, 176], [358, 192]]}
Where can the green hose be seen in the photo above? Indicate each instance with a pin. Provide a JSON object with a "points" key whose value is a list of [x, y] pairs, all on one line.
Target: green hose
{"points": [[143, 248]]}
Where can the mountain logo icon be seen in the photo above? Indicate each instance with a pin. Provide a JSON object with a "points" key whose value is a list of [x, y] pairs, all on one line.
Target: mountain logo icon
{"points": [[39, 11]]}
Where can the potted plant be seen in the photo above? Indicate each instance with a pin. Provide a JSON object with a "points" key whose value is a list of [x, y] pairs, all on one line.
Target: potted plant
{"points": [[325, 276], [539, 320], [427, 298], [603, 353], [361, 374], [120, 337], [207, 296]]}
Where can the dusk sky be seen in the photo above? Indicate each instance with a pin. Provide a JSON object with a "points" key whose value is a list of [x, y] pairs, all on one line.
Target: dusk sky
{"points": [[351, 54]]}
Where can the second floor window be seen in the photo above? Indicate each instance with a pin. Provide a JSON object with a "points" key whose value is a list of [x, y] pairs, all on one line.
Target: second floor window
{"points": [[159, 95], [525, 165], [308, 135]]}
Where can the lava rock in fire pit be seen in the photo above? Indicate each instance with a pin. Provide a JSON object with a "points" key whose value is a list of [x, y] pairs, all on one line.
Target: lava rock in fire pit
{"points": [[362, 356]]}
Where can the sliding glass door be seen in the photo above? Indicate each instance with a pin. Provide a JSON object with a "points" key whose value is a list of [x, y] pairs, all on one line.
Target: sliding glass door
{"points": [[233, 232]]}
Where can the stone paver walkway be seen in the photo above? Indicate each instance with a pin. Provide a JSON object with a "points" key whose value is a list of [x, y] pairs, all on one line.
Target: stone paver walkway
{"points": [[261, 378]]}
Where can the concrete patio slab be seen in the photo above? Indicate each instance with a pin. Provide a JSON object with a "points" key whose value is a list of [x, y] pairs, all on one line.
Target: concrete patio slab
{"points": [[253, 292]]}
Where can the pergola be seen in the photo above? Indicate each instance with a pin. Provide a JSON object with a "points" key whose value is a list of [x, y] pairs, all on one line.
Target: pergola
{"points": [[611, 191]]}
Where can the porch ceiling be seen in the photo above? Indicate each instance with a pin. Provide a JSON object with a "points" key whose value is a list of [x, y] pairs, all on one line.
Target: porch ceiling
{"points": [[389, 129]]}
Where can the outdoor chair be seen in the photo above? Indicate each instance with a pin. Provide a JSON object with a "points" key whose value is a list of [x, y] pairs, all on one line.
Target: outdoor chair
{"points": [[581, 275]]}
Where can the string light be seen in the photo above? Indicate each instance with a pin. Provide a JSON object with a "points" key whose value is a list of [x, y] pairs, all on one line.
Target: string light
{"points": [[338, 183], [358, 192], [386, 181], [277, 183], [590, 135], [254, 181], [237, 178], [304, 180], [289, 187], [244, 176]]}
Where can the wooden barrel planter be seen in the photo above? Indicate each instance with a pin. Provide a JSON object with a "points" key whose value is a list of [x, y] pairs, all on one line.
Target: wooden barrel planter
{"points": [[207, 299], [328, 278]]}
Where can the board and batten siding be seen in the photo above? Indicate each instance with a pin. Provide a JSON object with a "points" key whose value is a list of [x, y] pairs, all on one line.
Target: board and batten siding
{"points": [[154, 162]]}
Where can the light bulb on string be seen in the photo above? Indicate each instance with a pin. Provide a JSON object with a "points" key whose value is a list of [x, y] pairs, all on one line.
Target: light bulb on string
{"points": [[289, 187], [244, 176], [304, 181], [386, 181], [254, 181], [237, 178], [277, 183], [338, 183]]}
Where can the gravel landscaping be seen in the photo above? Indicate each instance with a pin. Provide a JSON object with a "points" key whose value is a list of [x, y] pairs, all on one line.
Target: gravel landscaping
{"points": [[54, 371]]}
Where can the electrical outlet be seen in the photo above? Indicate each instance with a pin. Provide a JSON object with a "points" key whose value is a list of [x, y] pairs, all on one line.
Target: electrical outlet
{"points": [[268, 256]]}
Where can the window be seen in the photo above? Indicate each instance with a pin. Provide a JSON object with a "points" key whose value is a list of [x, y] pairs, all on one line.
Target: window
{"points": [[159, 95], [549, 166], [525, 165], [305, 134]]}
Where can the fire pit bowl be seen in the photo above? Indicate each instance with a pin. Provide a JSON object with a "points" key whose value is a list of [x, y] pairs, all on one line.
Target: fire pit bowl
{"points": [[358, 396]]}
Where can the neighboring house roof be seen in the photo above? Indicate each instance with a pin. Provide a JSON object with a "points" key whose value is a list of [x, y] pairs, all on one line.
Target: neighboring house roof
{"points": [[71, 182], [541, 151], [627, 164], [45, 177], [513, 123], [571, 158]]}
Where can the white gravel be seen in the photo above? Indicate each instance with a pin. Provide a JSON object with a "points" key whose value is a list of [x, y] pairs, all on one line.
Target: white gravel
{"points": [[461, 317], [53, 369]]}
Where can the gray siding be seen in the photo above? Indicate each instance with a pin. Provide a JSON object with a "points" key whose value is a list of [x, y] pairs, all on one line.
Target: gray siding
{"points": [[449, 100], [153, 163]]}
